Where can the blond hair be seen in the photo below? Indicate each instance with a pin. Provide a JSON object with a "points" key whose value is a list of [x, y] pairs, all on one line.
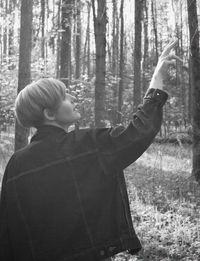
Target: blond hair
{"points": [[46, 93]]}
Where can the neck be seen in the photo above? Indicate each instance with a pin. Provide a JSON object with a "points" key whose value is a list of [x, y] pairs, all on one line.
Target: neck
{"points": [[65, 128]]}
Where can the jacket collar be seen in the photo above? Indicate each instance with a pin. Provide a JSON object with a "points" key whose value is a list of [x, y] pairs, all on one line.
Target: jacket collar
{"points": [[45, 131]]}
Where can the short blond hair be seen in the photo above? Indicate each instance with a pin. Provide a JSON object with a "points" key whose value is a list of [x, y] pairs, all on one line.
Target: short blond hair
{"points": [[46, 93]]}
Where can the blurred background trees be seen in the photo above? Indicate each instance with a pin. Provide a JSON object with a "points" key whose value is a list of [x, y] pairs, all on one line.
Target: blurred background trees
{"points": [[104, 51]]}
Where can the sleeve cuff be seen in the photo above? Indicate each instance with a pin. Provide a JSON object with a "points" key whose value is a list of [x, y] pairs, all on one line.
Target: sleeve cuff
{"points": [[156, 94]]}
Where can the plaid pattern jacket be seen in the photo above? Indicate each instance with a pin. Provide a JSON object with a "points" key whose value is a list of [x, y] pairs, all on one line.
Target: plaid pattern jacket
{"points": [[64, 195]]}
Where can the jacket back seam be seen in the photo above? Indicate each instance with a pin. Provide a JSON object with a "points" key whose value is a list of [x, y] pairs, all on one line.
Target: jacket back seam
{"points": [[50, 164]]}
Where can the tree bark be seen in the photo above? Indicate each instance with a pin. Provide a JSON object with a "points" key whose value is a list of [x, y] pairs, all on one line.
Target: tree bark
{"points": [[86, 54], [195, 83], [24, 76], [121, 65], [137, 54], [115, 39], [65, 53], [58, 49], [145, 47], [154, 18], [43, 28], [115, 58], [88, 41], [100, 44], [78, 41]]}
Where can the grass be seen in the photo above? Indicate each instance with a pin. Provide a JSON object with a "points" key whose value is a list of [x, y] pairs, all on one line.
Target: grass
{"points": [[164, 200], [165, 205], [6, 149]]}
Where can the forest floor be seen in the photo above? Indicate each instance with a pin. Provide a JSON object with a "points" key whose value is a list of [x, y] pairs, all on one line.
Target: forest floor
{"points": [[164, 200], [165, 205]]}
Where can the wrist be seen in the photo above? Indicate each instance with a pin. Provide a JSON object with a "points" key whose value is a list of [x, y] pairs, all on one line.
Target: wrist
{"points": [[156, 82]]}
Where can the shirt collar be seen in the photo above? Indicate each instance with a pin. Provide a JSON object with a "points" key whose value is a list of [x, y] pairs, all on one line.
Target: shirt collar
{"points": [[45, 131]]}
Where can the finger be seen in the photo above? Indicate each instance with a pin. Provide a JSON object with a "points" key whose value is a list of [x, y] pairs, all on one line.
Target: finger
{"points": [[169, 47]]}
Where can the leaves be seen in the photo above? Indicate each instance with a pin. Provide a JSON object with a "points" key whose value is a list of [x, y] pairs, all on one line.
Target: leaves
{"points": [[166, 222]]}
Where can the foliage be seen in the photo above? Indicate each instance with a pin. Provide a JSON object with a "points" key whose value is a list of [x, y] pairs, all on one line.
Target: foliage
{"points": [[8, 89], [164, 202], [167, 23]]}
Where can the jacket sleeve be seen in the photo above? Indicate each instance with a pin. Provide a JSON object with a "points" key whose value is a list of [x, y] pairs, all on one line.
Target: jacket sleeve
{"points": [[122, 146], [5, 247]]}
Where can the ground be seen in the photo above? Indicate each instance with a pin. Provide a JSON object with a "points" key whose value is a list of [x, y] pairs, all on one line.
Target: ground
{"points": [[164, 201], [165, 205]]}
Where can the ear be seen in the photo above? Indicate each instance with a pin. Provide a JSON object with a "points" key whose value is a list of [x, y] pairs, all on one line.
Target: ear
{"points": [[49, 115]]}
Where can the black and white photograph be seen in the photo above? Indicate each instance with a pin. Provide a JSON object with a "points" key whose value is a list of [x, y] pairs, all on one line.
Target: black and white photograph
{"points": [[99, 130]]}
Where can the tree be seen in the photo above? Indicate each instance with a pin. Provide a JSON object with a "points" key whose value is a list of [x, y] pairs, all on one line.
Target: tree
{"points": [[58, 40], [86, 53], [195, 83], [137, 53], [100, 21], [78, 39], [115, 59], [24, 75], [121, 64], [154, 21], [145, 46], [65, 53], [43, 28]]}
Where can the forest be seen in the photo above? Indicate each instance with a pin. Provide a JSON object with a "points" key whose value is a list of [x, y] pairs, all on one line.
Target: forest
{"points": [[105, 51]]}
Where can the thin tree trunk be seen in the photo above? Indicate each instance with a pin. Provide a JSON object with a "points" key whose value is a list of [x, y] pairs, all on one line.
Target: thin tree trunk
{"points": [[121, 65], [114, 40], [58, 49], [137, 54], [195, 83], [145, 47], [24, 76], [65, 60], [43, 28], [78, 41], [154, 18], [86, 55], [115, 51], [10, 37], [88, 43], [100, 44]]}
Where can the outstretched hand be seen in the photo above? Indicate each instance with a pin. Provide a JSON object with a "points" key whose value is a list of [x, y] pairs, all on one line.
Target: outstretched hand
{"points": [[166, 59]]}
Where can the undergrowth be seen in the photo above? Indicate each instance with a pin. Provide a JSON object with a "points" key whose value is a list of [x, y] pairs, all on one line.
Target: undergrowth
{"points": [[165, 205]]}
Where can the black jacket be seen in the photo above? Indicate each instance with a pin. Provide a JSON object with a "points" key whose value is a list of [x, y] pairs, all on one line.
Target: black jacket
{"points": [[64, 195]]}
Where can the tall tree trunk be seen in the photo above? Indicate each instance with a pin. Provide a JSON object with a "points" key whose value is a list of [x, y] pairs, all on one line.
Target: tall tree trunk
{"points": [[10, 36], [137, 54], [88, 42], [43, 28], [24, 76], [78, 41], [115, 39], [100, 44], [65, 59], [145, 47], [177, 10], [121, 65], [58, 49], [86, 54], [115, 57], [6, 32], [195, 82], [154, 20]]}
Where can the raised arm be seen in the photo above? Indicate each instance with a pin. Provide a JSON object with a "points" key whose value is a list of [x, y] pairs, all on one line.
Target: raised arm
{"points": [[122, 146]]}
